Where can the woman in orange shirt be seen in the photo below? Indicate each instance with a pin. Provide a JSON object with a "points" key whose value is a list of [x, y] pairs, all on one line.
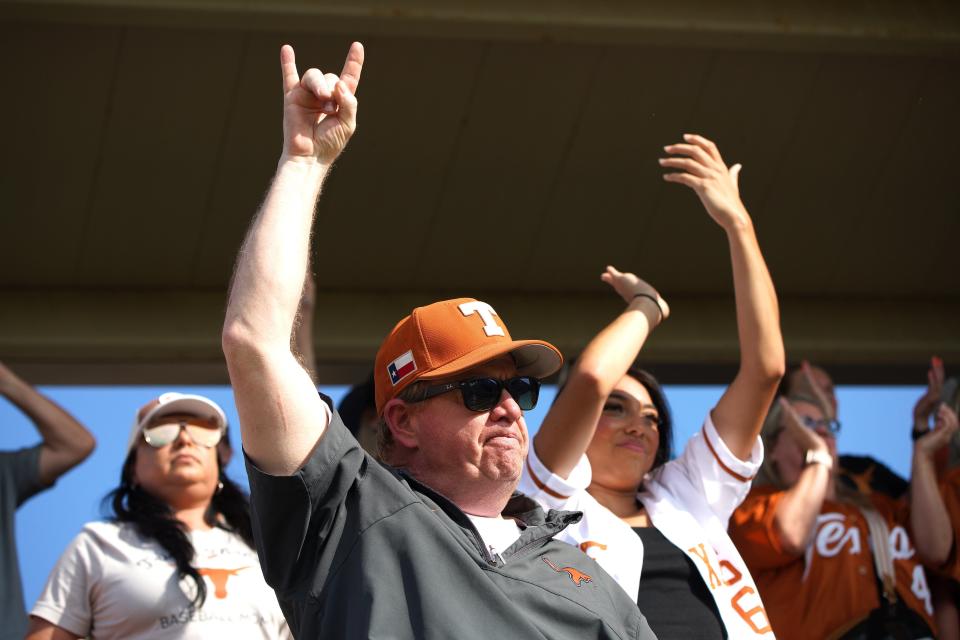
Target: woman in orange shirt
{"points": [[812, 544]]}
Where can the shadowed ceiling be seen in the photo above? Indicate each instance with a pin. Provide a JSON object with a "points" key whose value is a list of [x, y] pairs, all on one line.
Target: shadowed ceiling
{"points": [[504, 151]]}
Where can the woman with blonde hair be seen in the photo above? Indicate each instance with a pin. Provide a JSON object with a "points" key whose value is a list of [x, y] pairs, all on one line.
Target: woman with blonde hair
{"points": [[831, 561]]}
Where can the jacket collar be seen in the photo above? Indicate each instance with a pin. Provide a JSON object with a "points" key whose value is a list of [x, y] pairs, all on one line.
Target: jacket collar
{"points": [[520, 507]]}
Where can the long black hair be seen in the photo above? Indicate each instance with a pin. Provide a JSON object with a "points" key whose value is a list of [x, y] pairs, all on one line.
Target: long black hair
{"points": [[154, 519]]}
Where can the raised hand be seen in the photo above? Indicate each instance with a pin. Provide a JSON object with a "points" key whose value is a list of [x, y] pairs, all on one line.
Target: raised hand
{"points": [[629, 286], [927, 403], [319, 110], [811, 384], [945, 424], [806, 438], [702, 169]]}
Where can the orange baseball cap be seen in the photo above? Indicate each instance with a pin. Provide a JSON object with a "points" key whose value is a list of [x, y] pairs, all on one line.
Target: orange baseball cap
{"points": [[448, 337]]}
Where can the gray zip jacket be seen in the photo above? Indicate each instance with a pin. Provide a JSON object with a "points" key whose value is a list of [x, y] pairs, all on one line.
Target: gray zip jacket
{"points": [[357, 549]]}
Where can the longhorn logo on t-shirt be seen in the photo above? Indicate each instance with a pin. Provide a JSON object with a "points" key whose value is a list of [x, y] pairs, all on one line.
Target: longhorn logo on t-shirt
{"points": [[578, 577], [219, 579]]}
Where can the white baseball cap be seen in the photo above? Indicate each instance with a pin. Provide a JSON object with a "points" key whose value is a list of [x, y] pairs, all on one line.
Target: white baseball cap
{"points": [[173, 403]]}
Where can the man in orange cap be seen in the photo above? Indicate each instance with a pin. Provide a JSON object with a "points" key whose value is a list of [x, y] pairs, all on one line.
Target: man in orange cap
{"points": [[464, 347], [434, 544]]}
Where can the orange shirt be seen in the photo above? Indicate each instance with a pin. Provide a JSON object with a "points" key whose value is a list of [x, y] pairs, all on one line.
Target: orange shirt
{"points": [[833, 584]]}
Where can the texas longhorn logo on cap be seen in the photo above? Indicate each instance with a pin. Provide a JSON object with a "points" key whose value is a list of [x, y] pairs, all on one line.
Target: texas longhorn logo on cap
{"points": [[486, 313], [446, 338], [405, 364]]}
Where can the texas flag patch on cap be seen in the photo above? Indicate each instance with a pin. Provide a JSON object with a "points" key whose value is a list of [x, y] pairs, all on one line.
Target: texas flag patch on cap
{"points": [[401, 367]]}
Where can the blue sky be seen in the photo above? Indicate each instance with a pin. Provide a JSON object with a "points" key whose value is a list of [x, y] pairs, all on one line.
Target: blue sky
{"points": [[876, 421]]}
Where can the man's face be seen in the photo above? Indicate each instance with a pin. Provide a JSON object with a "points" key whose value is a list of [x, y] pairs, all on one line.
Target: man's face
{"points": [[460, 447]]}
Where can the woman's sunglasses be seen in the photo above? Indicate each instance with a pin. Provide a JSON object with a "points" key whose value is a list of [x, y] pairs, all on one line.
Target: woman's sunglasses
{"points": [[483, 394], [202, 432], [832, 426]]}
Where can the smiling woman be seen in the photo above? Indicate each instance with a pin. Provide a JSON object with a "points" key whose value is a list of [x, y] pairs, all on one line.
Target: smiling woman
{"points": [[634, 433], [178, 523], [604, 447]]}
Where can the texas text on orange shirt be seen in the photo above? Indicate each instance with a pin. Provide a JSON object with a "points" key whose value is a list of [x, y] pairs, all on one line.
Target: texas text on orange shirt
{"points": [[832, 584]]}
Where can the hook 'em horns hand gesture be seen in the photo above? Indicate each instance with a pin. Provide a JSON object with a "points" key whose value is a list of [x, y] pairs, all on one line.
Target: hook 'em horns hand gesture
{"points": [[319, 109]]}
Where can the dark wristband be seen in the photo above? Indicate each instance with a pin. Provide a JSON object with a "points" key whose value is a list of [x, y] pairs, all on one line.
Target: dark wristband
{"points": [[655, 301], [916, 434]]}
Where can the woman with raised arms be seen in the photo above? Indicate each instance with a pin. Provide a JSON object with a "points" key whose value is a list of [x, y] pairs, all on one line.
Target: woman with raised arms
{"points": [[659, 526]]}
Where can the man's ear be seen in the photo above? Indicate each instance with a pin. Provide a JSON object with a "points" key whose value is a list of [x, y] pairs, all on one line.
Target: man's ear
{"points": [[401, 420]]}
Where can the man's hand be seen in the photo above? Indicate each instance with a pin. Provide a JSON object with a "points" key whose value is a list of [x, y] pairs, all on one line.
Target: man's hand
{"points": [[281, 416], [927, 404], [319, 110], [629, 287], [702, 169]]}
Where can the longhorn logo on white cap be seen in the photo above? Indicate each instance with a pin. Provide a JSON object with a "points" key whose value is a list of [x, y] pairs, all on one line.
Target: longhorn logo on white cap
{"points": [[486, 313]]}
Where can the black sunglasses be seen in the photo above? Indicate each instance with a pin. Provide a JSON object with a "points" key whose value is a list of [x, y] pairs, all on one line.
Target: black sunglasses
{"points": [[483, 394]]}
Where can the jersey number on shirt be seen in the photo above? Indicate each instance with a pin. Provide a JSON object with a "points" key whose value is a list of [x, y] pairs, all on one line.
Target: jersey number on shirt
{"points": [[755, 616]]}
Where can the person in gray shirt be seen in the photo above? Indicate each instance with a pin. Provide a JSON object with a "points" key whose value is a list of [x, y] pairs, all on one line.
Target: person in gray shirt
{"points": [[431, 542], [65, 443]]}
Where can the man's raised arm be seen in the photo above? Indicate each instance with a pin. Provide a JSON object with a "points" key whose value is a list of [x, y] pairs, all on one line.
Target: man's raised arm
{"points": [[281, 415]]}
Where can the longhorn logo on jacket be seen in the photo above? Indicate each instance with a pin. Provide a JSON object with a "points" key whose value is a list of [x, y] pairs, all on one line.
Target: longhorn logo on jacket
{"points": [[578, 577]]}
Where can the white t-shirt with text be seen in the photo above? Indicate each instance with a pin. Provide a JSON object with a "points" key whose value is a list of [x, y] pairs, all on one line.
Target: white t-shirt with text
{"points": [[112, 583]]}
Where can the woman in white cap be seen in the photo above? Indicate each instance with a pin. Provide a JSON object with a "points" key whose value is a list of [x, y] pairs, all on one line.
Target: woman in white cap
{"points": [[176, 559]]}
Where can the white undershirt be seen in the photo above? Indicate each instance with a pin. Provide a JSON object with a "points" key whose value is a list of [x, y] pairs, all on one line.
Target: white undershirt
{"points": [[497, 533]]}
